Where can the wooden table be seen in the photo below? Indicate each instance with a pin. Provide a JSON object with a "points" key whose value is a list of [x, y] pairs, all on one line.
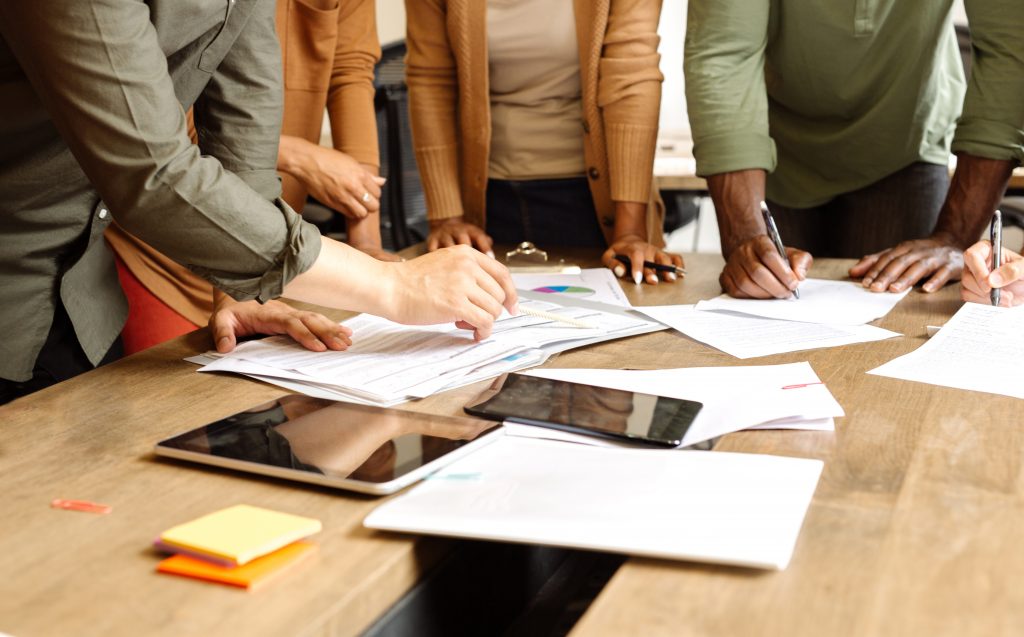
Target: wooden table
{"points": [[914, 528]]}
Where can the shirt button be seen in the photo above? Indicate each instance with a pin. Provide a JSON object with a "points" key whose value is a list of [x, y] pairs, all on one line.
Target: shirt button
{"points": [[593, 173], [103, 213]]}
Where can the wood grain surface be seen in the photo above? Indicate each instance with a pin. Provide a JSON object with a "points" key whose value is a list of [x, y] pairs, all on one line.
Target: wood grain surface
{"points": [[914, 528]]}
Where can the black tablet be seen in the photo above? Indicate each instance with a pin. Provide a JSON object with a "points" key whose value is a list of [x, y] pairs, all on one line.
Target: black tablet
{"points": [[368, 449], [586, 409]]}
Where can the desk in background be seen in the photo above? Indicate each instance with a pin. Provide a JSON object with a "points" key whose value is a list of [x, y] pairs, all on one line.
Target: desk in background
{"points": [[915, 527]]}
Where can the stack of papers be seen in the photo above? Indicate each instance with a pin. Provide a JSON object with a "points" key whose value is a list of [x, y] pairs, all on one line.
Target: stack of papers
{"points": [[980, 349], [390, 363], [827, 314], [241, 545], [725, 508], [787, 396]]}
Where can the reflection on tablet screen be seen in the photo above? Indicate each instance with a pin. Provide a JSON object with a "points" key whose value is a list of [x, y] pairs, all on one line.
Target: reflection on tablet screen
{"points": [[338, 440]]}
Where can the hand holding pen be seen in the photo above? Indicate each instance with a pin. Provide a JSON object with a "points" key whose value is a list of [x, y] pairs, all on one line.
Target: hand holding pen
{"points": [[993, 274], [773, 234], [758, 267]]}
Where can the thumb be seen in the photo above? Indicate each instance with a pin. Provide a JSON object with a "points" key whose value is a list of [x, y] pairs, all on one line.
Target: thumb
{"points": [[223, 332], [1007, 273]]}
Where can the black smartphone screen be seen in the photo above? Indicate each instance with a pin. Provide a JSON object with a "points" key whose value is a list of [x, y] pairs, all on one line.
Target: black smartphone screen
{"points": [[587, 409]]}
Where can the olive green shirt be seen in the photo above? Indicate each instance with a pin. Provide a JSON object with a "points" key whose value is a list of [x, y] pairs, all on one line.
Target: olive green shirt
{"points": [[92, 126], [832, 96]]}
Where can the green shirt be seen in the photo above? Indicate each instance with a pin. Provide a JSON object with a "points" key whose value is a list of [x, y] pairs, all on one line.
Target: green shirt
{"points": [[832, 96], [92, 126]]}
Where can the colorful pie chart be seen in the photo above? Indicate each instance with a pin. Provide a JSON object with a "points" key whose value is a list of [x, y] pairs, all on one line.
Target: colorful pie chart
{"points": [[564, 289]]}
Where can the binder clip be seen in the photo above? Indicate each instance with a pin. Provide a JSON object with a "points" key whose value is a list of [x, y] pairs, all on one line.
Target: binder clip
{"points": [[529, 259]]}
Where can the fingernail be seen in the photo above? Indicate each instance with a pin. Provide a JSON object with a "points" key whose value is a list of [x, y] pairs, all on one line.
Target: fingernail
{"points": [[340, 342], [793, 285], [867, 281], [223, 341], [671, 276], [490, 253], [637, 278], [652, 279], [995, 279], [928, 287], [619, 270]]}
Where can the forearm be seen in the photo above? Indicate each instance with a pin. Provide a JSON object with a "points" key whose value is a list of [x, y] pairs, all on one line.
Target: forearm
{"points": [[294, 157], [630, 220], [737, 197], [364, 233], [974, 193], [344, 278]]}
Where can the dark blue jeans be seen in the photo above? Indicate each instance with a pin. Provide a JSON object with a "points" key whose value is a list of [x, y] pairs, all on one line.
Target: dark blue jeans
{"points": [[548, 212]]}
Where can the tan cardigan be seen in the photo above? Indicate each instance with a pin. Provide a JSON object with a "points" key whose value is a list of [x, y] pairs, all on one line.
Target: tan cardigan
{"points": [[329, 49], [449, 97]]}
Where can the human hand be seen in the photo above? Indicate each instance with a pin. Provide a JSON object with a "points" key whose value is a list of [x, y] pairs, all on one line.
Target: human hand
{"points": [[451, 284], [638, 250], [338, 181], [454, 231], [979, 279], [232, 319], [899, 268], [755, 270]]}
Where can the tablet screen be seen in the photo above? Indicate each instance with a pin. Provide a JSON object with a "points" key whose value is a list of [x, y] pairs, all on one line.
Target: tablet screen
{"points": [[337, 440]]}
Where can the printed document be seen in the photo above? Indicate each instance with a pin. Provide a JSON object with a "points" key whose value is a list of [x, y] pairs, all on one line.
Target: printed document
{"points": [[821, 301], [704, 506], [593, 284], [746, 336], [981, 349]]}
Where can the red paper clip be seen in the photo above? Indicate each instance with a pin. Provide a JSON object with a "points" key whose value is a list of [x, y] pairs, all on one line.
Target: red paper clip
{"points": [[802, 385], [81, 505]]}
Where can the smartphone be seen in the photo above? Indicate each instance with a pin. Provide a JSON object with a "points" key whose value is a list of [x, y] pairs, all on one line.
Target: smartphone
{"points": [[586, 409]]}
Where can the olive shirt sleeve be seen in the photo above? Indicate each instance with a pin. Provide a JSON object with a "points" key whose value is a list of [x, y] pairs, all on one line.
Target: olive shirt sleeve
{"points": [[992, 122], [350, 94], [433, 88], [629, 95], [726, 95], [99, 70]]}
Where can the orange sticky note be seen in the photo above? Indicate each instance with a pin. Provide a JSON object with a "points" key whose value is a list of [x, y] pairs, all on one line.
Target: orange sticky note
{"points": [[252, 575]]}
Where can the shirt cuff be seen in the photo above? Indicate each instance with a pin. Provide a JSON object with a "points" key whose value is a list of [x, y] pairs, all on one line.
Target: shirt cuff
{"points": [[989, 139], [631, 161], [301, 251], [729, 152], [439, 175]]}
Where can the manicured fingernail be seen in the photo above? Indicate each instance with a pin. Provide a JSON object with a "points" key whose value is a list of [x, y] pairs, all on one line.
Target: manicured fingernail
{"points": [[929, 287], [619, 270], [490, 253], [995, 279], [637, 278], [671, 276], [652, 279]]}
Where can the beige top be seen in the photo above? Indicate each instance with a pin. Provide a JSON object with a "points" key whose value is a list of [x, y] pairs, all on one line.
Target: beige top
{"points": [[536, 102]]}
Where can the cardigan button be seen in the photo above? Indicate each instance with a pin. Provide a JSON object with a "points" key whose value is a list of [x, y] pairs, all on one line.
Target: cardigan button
{"points": [[608, 221], [593, 173], [586, 127]]}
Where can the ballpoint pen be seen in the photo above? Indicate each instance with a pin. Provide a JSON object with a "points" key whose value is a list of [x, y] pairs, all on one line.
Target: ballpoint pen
{"points": [[996, 235], [651, 265], [773, 234]]}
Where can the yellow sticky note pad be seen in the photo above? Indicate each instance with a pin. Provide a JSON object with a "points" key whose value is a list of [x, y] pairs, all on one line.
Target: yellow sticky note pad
{"points": [[239, 534], [253, 575]]}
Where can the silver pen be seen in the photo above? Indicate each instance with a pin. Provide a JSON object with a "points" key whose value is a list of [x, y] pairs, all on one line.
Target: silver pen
{"points": [[996, 236], [773, 234]]}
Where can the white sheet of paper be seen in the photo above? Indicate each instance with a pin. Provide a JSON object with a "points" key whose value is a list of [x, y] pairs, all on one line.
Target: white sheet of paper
{"points": [[745, 336], [981, 349], [821, 301], [725, 508], [592, 284], [389, 363], [768, 392]]}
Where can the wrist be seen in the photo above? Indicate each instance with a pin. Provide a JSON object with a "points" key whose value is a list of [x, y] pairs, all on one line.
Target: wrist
{"points": [[295, 156]]}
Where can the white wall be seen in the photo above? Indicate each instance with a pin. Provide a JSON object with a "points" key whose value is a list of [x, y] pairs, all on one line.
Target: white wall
{"points": [[673, 101]]}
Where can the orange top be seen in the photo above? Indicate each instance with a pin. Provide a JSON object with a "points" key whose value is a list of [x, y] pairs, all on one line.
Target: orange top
{"points": [[449, 95], [329, 48]]}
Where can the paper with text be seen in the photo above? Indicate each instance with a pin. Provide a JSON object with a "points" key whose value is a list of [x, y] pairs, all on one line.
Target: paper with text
{"points": [[981, 349], [821, 301], [745, 336]]}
